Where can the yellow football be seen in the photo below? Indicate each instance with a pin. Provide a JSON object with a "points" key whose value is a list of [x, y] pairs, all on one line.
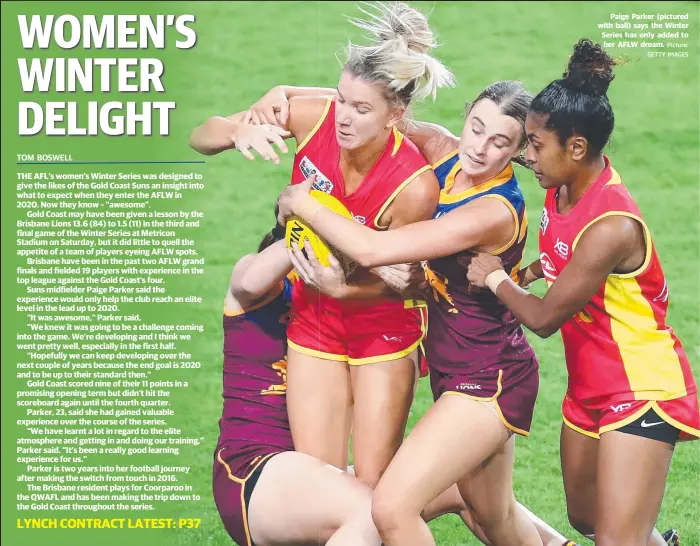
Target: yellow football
{"points": [[300, 232]]}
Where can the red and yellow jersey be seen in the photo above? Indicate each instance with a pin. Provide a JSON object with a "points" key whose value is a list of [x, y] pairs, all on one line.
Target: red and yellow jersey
{"points": [[619, 344], [398, 165]]}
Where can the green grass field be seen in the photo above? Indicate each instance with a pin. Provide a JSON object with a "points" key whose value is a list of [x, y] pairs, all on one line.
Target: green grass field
{"points": [[246, 48]]}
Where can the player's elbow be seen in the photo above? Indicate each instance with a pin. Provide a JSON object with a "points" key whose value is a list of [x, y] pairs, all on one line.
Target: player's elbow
{"points": [[545, 327], [196, 142], [248, 289], [544, 331]]}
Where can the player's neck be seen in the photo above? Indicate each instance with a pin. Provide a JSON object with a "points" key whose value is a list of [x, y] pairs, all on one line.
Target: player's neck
{"points": [[583, 180], [464, 181]]}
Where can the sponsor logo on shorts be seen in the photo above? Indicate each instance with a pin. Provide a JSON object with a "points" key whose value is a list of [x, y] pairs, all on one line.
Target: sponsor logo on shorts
{"points": [[646, 425], [469, 387], [391, 338], [620, 407], [309, 169]]}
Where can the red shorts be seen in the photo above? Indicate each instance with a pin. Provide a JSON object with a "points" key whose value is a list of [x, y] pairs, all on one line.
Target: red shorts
{"points": [[598, 416], [357, 333]]}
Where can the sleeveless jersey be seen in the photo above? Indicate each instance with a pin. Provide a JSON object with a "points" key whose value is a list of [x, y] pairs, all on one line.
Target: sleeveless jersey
{"points": [[255, 372], [470, 329], [620, 342], [398, 165]]}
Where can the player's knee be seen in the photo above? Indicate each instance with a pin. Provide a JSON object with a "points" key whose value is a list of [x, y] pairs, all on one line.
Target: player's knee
{"points": [[614, 539], [492, 517], [388, 511], [580, 522], [359, 513], [369, 476]]}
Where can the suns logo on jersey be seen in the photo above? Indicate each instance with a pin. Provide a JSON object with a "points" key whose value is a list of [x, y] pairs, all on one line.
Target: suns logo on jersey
{"points": [[548, 269], [439, 285], [281, 368]]}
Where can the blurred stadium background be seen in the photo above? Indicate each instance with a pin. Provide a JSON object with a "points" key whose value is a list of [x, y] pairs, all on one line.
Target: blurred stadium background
{"points": [[244, 48]]}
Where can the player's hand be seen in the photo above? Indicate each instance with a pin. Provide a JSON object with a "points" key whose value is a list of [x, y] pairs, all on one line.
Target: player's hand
{"points": [[404, 279], [290, 200], [260, 138], [329, 280], [272, 109], [481, 266]]}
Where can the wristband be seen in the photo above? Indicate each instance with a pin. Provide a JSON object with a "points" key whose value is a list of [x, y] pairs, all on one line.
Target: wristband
{"points": [[495, 278]]}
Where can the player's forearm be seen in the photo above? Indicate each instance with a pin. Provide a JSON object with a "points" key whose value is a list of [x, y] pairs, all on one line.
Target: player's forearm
{"points": [[356, 240], [532, 311], [291, 91], [262, 274], [214, 136]]}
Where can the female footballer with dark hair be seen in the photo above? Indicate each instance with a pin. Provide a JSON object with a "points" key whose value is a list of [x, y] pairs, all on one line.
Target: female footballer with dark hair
{"points": [[631, 393]]}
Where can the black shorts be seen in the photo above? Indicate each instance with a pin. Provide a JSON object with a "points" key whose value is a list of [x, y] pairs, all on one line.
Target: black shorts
{"points": [[650, 425]]}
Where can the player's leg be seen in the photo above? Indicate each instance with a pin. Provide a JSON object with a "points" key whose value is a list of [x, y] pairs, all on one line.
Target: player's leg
{"points": [[298, 499], [319, 404], [488, 492], [579, 463], [549, 535], [580, 459], [382, 394], [437, 453], [632, 473], [451, 502]]}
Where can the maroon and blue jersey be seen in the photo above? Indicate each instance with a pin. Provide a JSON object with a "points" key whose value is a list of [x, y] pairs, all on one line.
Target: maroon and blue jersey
{"points": [[470, 330], [255, 373]]}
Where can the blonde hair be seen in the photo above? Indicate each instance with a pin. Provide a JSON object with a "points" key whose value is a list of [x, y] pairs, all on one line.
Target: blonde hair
{"points": [[398, 56]]}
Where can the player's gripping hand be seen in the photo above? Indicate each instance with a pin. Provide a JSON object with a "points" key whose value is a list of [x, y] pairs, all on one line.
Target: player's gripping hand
{"points": [[292, 200], [260, 139], [272, 109], [329, 280], [481, 266], [405, 279]]}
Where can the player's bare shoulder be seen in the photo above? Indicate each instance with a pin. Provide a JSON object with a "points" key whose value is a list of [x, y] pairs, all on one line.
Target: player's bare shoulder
{"points": [[304, 114]]}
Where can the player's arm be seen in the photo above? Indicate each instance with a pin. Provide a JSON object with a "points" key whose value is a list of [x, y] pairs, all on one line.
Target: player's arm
{"points": [[331, 280], [432, 140], [530, 274], [256, 276], [274, 106], [482, 224], [606, 245], [219, 134]]}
